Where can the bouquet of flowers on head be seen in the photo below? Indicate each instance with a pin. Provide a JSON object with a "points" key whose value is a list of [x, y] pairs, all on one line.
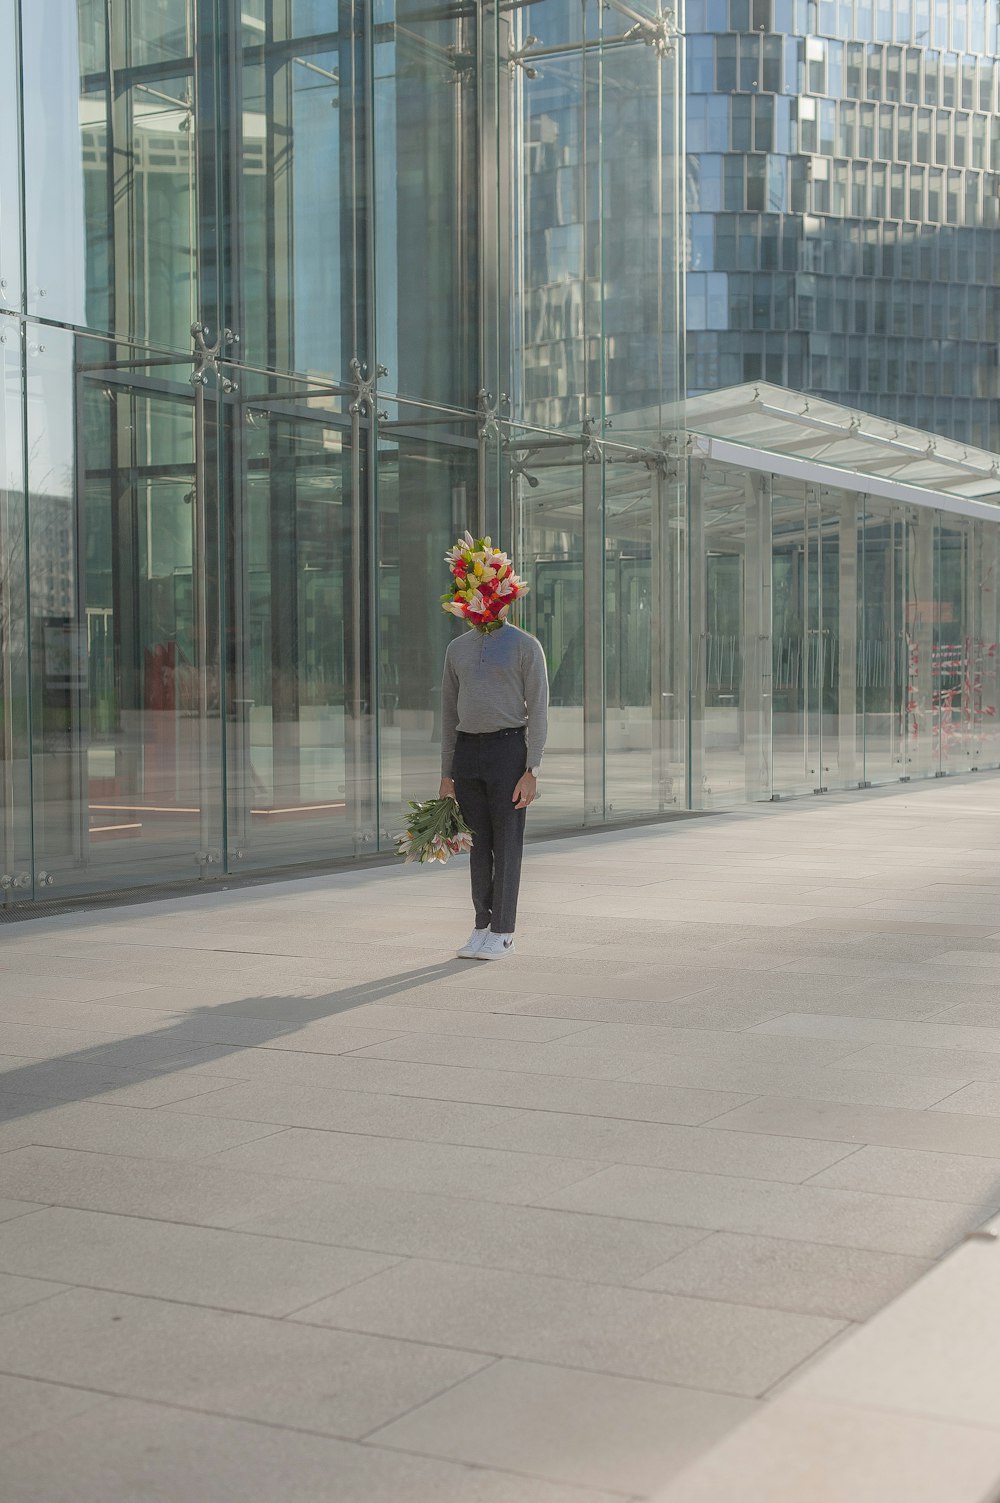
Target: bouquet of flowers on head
{"points": [[435, 831], [485, 585]]}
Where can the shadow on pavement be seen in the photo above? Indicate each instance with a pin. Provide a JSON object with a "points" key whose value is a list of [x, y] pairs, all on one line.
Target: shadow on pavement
{"points": [[195, 1038]]}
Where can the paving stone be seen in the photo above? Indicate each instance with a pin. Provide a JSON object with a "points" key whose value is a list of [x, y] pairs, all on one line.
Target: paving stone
{"points": [[889, 1127], [633, 984], [15, 1291], [567, 1134], [278, 1371], [199, 1265], [698, 1343], [586, 1428], [56, 1080], [133, 1186], [875, 1030], [533, 1090], [20, 985], [126, 1451], [11, 1208], [133, 1130], [707, 1006], [535, 1240], [100, 1017], [911, 1171], [603, 1062], [981, 1097], [845, 1282], [914, 1059], [409, 1019], [353, 1158], [808, 1213], [28, 1408]]}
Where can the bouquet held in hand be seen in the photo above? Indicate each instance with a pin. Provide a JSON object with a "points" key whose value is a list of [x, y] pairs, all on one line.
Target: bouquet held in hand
{"points": [[435, 831], [484, 585]]}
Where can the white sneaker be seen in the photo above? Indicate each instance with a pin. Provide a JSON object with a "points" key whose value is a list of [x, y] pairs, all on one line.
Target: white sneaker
{"points": [[495, 946], [473, 944]]}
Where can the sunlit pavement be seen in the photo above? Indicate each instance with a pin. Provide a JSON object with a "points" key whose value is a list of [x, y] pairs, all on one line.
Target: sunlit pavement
{"points": [[293, 1205]]}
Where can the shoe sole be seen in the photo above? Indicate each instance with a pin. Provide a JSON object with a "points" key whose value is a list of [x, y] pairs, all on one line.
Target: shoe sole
{"points": [[466, 954], [499, 955]]}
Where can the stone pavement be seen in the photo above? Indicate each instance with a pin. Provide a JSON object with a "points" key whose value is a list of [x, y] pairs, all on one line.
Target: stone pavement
{"points": [[294, 1206]]}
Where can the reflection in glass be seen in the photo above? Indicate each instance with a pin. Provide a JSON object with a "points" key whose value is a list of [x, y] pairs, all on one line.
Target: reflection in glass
{"points": [[15, 755], [446, 242], [292, 782], [426, 494], [126, 775], [426, 206], [550, 552]]}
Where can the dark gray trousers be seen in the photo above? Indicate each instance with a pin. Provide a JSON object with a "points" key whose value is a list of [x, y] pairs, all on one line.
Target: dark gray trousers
{"points": [[487, 769]]}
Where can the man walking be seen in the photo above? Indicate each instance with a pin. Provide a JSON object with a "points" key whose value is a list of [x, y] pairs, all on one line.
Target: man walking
{"points": [[494, 716]]}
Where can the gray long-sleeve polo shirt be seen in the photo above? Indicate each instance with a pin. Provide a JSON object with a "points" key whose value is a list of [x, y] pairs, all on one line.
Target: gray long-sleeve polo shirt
{"points": [[494, 681]]}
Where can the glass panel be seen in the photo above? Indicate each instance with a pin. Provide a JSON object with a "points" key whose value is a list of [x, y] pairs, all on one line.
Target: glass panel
{"points": [[794, 726], [731, 584], [111, 146], [838, 614], [15, 759], [427, 231], [645, 644], [301, 218], [548, 508], [985, 685], [10, 163], [126, 764], [557, 314], [640, 214], [954, 647], [296, 732], [427, 485], [921, 753], [882, 647]]}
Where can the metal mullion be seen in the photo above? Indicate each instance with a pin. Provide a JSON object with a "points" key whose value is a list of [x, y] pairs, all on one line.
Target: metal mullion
{"points": [[288, 48], [366, 771]]}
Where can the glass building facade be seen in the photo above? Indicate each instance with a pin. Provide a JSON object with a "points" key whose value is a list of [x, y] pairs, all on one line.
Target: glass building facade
{"points": [[292, 292], [844, 614], [844, 197]]}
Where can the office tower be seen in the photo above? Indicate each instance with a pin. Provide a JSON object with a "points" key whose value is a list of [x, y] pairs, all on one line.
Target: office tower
{"points": [[843, 194]]}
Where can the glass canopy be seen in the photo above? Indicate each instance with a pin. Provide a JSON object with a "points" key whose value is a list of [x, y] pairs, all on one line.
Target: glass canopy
{"points": [[790, 423]]}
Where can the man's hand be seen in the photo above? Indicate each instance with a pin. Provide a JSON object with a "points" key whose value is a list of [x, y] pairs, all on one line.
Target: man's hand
{"points": [[526, 791], [447, 789]]}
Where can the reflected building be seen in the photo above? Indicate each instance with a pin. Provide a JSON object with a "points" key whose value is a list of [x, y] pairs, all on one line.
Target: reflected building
{"points": [[292, 292], [843, 194]]}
